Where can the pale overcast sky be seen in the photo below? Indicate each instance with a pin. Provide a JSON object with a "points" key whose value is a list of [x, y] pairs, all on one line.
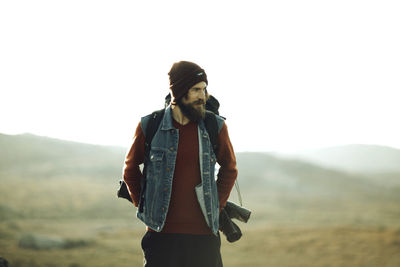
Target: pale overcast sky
{"points": [[289, 75]]}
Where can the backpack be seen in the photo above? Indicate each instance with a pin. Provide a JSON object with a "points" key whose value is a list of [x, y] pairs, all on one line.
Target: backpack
{"points": [[227, 226], [210, 122]]}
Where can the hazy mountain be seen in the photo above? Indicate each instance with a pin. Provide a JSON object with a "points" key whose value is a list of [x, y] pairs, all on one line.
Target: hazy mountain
{"points": [[45, 177], [273, 174], [28, 155], [355, 158]]}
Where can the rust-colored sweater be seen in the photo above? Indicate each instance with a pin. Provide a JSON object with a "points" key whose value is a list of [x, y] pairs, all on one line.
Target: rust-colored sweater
{"points": [[184, 213]]}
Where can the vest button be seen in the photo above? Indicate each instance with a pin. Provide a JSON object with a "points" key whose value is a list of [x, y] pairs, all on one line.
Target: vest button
{"points": [[171, 148]]}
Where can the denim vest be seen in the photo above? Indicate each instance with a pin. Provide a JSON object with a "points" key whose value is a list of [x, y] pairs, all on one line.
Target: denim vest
{"points": [[160, 172]]}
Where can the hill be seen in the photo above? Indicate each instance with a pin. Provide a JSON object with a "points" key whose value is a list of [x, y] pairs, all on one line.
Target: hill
{"points": [[299, 177], [355, 158], [31, 156], [63, 190], [283, 189]]}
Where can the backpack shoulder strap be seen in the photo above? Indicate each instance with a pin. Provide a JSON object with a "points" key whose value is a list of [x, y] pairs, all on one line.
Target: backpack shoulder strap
{"points": [[213, 124], [150, 129], [150, 125], [210, 122]]}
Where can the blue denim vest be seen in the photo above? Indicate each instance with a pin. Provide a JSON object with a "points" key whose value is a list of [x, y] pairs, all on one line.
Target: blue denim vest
{"points": [[160, 172]]}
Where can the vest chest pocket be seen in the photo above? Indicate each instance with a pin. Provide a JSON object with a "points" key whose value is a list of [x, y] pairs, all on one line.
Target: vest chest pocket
{"points": [[155, 164]]}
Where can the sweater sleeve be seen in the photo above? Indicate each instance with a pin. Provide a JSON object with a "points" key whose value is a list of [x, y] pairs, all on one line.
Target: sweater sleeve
{"points": [[228, 172], [134, 157]]}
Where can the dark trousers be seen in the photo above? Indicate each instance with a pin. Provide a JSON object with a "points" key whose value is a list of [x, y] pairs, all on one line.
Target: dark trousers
{"points": [[181, 250]]}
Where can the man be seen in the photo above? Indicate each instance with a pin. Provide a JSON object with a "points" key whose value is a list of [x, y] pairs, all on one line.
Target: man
{"points": [[181, 198]]}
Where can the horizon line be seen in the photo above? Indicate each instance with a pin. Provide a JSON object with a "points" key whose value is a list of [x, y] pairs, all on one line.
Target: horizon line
{"points": [[275, 151]]}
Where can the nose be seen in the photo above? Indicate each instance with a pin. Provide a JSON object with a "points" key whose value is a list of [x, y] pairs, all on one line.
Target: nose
{"points": [[203, 94]]}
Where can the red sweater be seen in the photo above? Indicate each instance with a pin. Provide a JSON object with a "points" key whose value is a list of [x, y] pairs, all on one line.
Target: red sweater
{"points": [[184, 213]]}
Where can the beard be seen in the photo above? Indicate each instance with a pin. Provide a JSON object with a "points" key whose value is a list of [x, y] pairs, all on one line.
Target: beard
{"points": [[191, 112]]}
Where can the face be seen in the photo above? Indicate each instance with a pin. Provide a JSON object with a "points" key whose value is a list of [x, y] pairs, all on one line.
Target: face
{"points": [[193, 103], [196, 94]]}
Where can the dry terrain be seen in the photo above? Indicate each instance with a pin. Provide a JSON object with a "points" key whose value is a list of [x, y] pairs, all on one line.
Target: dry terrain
{"points": [[303, 214]]}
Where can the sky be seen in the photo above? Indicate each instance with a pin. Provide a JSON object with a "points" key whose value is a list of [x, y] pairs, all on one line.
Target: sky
{"points": [[289, 75]]}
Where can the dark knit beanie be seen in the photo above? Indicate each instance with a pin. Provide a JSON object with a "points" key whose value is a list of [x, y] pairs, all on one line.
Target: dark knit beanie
{"points": [[182, 76]]}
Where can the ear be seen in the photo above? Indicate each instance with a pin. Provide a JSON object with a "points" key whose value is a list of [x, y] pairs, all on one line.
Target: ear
{"points": [[186, 95]]}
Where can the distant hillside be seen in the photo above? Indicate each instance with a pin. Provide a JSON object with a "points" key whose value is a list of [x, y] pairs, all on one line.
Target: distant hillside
{"points": [[273, 174], [355, 158], [28, 155], [66, 179]]}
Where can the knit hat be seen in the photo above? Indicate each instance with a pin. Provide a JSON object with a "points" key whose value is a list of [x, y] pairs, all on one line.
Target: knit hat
{"points": [[182, 76]]}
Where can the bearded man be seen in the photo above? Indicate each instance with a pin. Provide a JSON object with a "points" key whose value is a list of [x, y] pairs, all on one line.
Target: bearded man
{"points": [[181, 200]]}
